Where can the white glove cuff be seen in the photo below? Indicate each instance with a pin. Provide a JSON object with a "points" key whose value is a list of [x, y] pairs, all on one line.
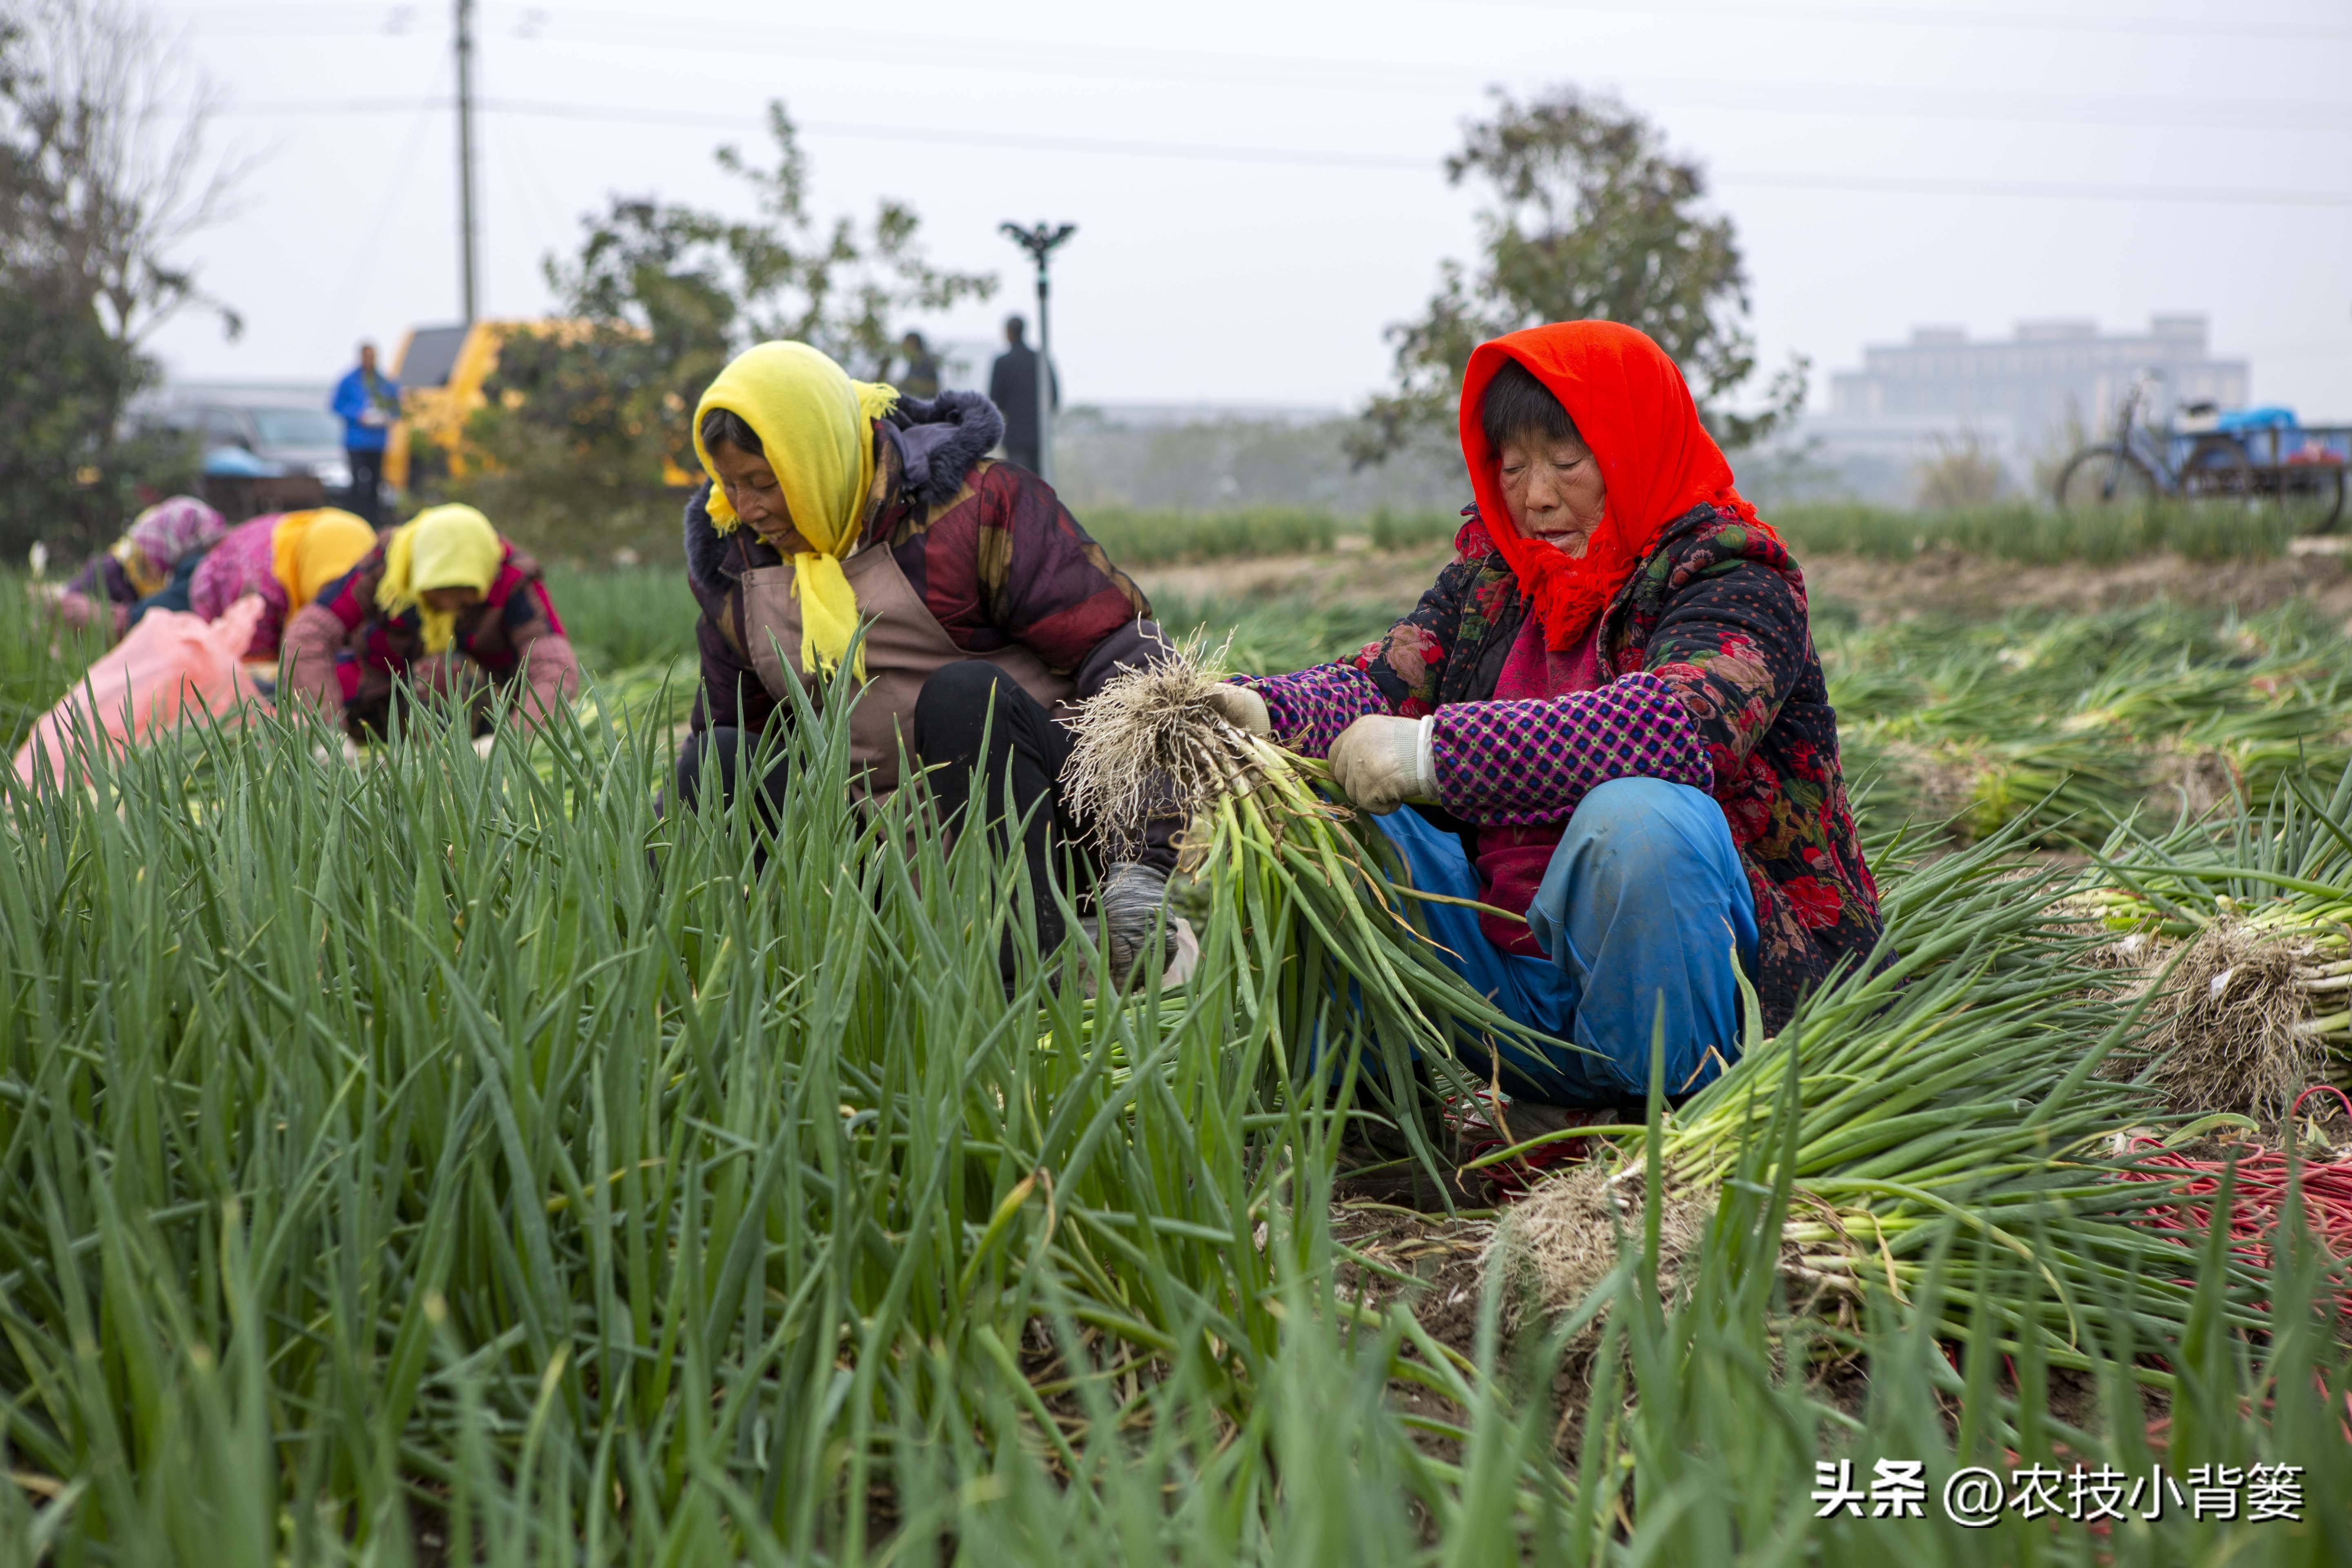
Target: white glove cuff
{"points": [[1425, 760]]}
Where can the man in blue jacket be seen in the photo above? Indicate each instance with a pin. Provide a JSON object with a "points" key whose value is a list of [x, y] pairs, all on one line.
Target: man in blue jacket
{"points": [[368, 402]]}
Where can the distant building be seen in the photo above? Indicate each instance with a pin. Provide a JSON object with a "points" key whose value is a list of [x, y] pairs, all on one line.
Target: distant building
{"points": [[2050, 375], [2024, 400]]}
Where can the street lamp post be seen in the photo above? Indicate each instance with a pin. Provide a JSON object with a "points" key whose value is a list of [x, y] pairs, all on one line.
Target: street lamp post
{"points": [[1039, 242]]}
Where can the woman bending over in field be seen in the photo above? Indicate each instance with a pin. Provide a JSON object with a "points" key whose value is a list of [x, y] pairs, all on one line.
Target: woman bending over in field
{"points": [[1606, 714], [835, 503], [150, 567], [285, 558], [442, 609]]}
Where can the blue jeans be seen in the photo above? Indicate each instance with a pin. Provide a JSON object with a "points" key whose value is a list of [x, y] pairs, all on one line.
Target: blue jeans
{"points": [[1645, 898]]}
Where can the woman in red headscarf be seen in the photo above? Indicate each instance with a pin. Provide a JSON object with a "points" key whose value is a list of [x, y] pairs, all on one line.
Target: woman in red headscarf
{"points": [[1607, 713]]}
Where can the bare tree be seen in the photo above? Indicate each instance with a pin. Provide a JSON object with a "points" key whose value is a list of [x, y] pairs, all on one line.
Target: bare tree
{"points": [[111, 170]]}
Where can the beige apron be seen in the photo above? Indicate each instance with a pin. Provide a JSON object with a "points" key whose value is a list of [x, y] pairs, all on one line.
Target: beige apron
{"points": [[905, 644]]}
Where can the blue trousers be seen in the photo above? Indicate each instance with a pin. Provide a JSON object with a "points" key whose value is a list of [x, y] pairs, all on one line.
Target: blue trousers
{"points": [[1643, 897]]}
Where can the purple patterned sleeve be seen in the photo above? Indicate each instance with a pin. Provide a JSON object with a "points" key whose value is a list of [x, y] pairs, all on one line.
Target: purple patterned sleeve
{"points": [[1310, 707], [1513, 765]]}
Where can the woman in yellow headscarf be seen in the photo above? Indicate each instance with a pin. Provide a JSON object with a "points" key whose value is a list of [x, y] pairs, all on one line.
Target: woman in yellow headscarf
{"points": [[285, 558], [442, 607], [845, 524]]}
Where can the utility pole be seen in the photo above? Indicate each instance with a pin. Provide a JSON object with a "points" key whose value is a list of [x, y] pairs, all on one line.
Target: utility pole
{"points": [[466, 155], [1039, 242]]}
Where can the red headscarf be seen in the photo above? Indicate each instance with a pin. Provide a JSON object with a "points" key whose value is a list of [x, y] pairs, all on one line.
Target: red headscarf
{"points": [[1628, 401]]}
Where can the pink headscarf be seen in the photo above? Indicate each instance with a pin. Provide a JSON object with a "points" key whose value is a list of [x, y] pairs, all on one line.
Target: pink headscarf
{"points": [[171, 528]]}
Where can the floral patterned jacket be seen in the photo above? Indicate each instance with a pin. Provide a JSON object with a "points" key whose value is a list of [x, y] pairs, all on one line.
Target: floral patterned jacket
{"points": [[1709, 678]]}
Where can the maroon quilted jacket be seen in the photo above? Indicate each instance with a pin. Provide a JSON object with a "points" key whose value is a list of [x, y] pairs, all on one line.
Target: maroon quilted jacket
{"points": [[346, 657], [991, 549]]}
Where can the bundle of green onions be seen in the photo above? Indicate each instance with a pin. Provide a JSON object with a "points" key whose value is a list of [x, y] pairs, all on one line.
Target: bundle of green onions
{"points": [[1946, 1096], [2071, 722], [1289, 885], [2263, 903]]}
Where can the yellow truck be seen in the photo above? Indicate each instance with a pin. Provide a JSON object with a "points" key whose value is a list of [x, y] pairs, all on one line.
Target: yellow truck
{"points": [[441, 370]]}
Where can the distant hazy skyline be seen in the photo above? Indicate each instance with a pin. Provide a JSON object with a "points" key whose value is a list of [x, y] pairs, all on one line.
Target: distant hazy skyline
{"points": [[1258, 186]]}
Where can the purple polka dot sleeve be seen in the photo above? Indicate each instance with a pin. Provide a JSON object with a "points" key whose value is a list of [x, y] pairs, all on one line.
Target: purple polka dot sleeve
{"points": [[1310, 707], [1513, 764]]}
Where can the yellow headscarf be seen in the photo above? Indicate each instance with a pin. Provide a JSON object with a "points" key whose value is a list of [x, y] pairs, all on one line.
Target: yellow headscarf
{"points": [[308, 550], [816, 426], [440, 547]]}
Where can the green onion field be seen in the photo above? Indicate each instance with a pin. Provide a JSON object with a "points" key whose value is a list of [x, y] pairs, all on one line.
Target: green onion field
{"points": [[436, 1159]]}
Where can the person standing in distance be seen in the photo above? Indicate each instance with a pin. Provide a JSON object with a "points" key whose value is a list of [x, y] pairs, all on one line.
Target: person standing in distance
{"points": [[1012, 387], [367, 401], [920, 379]]}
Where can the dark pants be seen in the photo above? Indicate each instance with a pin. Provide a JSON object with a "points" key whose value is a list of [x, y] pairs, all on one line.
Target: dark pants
{"points": [[367, 484], [1023, 751], [721, 755]]}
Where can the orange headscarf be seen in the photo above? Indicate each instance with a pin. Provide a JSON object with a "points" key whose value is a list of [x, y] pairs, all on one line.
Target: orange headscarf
{"points": [[1629, 402]]}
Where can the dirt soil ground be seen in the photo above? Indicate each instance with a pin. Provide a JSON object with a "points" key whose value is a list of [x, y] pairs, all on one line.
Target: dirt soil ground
{"points": [[1936, 581]]}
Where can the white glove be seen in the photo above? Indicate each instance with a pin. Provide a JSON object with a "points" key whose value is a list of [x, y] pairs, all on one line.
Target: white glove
{"points": [[1379, 763], [482, 745], [1242, 708]]}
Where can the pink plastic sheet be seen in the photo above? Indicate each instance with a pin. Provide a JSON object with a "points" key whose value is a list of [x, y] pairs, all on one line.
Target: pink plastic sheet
{"points": [[173, 667]]}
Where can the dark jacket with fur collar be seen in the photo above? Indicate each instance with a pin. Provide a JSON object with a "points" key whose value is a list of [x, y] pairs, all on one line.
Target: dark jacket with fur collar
{"points": [[991, 550]]}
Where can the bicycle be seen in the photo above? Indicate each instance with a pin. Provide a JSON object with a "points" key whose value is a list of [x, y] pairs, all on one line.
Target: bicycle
{"points": [[2137, 467]]}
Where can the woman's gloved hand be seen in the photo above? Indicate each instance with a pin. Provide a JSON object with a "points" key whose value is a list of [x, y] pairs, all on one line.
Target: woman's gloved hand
{"points": [[482, 745], [1242, 708], [1379, 763], [1128, 900]]}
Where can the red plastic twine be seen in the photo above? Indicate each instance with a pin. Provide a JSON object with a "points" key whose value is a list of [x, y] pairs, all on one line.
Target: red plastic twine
{"points": [[2257, 1196]]}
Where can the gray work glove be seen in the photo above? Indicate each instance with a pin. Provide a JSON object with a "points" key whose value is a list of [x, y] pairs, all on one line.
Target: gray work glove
{"points": [[1128, 902], [1242, 708], [1379, 763]]}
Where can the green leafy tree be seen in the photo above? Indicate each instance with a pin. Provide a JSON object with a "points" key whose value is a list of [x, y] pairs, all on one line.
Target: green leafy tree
{"points": [[584, 417], [104, 174], [71, 471], [1590, 217]]}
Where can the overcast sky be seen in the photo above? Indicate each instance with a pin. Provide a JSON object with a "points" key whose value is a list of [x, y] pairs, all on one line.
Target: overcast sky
{"points": [[1257, 182]]}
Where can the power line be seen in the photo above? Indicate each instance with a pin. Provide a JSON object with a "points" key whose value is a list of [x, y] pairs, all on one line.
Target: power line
{"points": [[1978, 109], [2250, 29], [645, 32], [2217, 196], [2037, 190], [360, 274]]}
